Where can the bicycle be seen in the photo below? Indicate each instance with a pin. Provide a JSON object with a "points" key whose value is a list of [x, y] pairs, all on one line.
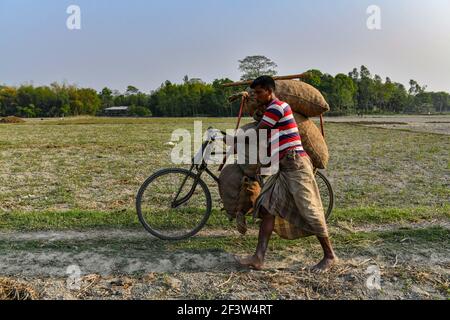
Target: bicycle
{"points": [[189, 204]]}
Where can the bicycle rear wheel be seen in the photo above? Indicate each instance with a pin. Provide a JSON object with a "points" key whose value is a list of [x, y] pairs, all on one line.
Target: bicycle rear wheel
{"points": [[173, 204], [326, 193]]}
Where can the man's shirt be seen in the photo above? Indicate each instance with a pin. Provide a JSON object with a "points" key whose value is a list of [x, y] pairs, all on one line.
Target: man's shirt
{"points": [[279, 116]]}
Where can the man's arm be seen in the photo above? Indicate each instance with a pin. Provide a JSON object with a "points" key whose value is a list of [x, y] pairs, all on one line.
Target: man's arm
{"points": [[263, 125]]}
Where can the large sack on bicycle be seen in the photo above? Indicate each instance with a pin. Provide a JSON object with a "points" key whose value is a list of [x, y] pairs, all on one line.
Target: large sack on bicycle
{"points": [[230, 180], [302, 97], [312, 141], [250, 170], [238, 192]]}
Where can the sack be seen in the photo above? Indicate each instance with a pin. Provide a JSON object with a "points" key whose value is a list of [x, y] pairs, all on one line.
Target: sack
{"points": [[313, 142], [230, 180], [302, 97], [250, 190], [250, 170], [238, 192]]}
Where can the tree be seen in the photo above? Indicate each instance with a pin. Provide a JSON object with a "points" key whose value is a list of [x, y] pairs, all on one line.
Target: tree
{"points": [[8, 98], [354, 74], [415, 88], [357, 91], [441, 101], [132, 90], [366, 90], [254, 66], [314, 78], [399, 100], [139, 111], [107, 98], [344, 91]]}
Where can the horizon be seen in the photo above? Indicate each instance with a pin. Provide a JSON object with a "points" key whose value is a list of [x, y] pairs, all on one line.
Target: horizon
{"points": [[143, 43]]}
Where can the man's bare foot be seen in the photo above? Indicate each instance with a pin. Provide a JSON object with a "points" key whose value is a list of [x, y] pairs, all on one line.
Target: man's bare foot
{"points": [[325, 264], [252, 262], [241, 223]]}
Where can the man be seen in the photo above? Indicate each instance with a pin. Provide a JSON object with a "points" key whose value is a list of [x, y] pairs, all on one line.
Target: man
{"points": [[292, 193]]}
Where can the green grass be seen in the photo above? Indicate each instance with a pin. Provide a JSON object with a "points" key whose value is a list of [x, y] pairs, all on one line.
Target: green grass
{"points": [[374, 215], [127, 219], [85, 172]]}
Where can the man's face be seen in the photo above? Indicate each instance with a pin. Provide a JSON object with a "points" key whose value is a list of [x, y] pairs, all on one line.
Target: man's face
{"points": [[263, 96]]}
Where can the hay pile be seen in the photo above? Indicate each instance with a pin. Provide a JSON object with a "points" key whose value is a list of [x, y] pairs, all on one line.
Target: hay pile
{"points": [[15, 290], [12, 119]]}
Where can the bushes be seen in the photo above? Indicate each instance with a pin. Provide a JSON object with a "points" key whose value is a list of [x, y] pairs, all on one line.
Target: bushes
{"points": [[139, 111], [48, 101]]}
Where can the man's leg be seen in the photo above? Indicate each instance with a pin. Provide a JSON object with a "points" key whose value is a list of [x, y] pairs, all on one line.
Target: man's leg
{"points": [[329, 258], [265, 231]]}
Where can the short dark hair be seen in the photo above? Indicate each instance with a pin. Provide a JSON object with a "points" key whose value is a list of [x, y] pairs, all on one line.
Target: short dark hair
{"points": [[266, 82]]}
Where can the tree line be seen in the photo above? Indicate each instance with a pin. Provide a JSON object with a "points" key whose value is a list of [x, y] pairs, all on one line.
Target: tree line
{"points": [[360, 92], [352, 93]]}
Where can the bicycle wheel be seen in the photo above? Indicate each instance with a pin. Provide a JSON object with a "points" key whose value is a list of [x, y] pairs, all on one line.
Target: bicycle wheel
{"points": [[326, 193], [173, 205]]}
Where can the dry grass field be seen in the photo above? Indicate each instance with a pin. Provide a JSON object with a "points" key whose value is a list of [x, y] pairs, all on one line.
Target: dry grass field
{"points": [[67, 192]]}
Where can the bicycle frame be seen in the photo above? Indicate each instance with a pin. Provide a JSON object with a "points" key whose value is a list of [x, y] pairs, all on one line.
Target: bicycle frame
{"points": [[201, 168]]}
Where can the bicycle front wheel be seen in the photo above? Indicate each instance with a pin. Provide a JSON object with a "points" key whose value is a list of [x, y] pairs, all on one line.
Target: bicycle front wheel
{"points": [[173, 204]]}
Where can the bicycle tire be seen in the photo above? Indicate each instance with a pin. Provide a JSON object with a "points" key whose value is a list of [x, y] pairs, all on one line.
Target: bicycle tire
{"points": [[152, 178], [330, 207]]}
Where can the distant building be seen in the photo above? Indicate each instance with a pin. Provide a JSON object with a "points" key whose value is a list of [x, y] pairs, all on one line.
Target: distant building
{"points": [[119, 111]]}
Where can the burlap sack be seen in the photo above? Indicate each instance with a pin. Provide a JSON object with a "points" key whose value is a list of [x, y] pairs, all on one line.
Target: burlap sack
{"points": [[302, 97], [230, 181], [238, 192], [250, 170], [312, 141], [250, 190]]}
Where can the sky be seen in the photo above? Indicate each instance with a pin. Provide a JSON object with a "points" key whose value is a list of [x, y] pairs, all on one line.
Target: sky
{"points": [[145, 42]]}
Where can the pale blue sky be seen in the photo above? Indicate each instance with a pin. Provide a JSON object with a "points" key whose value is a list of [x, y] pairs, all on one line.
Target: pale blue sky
{"points": [[144, 42]]}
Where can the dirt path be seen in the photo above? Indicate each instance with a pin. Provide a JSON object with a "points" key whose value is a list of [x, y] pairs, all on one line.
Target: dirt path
{"points": [[50, 253], [429, 124], [131, 264]]}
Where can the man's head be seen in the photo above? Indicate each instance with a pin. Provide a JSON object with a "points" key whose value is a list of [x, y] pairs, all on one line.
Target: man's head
{"points": [[264, 88]]}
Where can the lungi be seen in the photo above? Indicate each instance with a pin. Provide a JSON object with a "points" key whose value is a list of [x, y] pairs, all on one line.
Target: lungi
{"points": [[292, 196]]}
